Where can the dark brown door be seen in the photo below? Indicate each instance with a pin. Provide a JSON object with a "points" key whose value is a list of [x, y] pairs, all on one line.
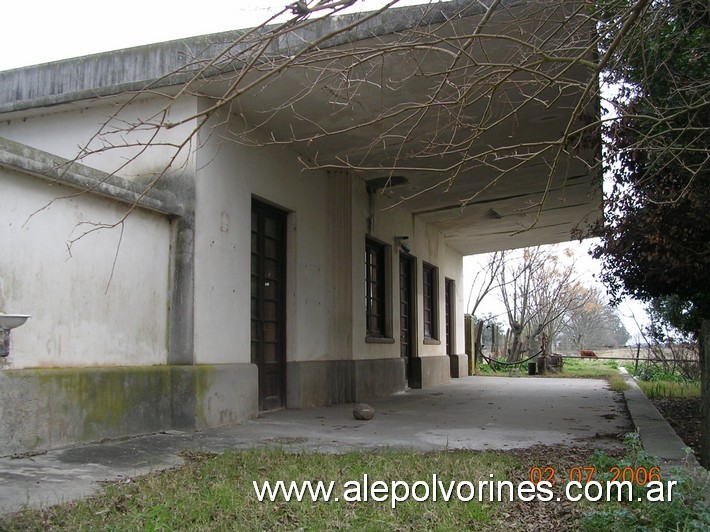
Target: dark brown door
{"points": [[406, 312], [268, 309], [449, 297]]}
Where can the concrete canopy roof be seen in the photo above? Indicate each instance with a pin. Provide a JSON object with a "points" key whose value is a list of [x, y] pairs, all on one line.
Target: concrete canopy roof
{"points": [[453, 114]]}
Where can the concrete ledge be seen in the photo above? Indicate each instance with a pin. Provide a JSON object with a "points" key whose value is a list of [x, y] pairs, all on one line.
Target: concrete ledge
{"points": [[458, 366], [657, 436], [26, 159], [50, 408], [430, 371], [225, 394], [176, 62]]}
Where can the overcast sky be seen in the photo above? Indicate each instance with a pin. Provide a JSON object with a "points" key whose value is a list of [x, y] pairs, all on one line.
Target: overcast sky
{"points": [[43, 30]]}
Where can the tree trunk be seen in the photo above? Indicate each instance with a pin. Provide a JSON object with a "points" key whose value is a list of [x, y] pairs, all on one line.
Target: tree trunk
{"points": [[515, 337], [704, 344]]}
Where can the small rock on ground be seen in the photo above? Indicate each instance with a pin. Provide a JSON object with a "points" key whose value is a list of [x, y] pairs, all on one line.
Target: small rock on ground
{"points": [[363, 412]]}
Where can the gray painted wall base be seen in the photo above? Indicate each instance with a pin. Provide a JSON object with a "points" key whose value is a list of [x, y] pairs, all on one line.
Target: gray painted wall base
{"points": [[459, 366], [316, 383], [49, 408], [429, 371]]}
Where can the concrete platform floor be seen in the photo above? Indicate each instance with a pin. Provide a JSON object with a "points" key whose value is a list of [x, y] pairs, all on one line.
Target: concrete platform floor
{"points": [[470, 413]]}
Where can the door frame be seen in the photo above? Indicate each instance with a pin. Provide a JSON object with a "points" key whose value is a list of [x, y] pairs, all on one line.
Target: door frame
{"points": [[450, 315], [410, 263], [265, 210]]}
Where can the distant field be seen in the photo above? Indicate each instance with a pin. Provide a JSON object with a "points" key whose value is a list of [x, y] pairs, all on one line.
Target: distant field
{"points": [[620, 352]]}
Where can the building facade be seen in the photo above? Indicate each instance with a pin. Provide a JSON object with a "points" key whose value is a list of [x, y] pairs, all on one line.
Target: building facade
{"points": [[179, 277]]}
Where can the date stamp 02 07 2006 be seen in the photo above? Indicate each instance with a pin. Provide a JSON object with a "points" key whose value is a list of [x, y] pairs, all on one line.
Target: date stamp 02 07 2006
{"points": [[586, 474], [582, 479]]}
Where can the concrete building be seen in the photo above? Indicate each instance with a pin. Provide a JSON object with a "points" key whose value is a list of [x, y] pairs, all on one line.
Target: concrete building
{"points": [[190, 269]]}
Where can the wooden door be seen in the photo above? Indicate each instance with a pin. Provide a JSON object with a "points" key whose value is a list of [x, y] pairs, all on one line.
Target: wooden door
{"points": [[449, 303], [268, 306], [407, 309]]}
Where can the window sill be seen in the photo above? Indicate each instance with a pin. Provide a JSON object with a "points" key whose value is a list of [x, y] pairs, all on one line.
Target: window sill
{"points": [[431, 341], [378, 340]]}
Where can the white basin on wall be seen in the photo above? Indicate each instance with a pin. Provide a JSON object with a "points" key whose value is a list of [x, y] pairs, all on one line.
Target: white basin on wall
{"points": [[10, 321]]}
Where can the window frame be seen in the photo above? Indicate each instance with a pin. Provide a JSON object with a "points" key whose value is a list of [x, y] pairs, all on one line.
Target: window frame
{"points": [[430, 303], [378, 314], [450, 314]]}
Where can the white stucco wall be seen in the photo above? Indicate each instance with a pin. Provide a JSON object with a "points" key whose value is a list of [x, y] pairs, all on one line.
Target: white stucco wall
{"points": [[101, 303], [229, 175]]}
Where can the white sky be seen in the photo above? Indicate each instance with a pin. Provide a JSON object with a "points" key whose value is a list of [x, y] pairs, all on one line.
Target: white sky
{"points": [[46, 31], [43, 30]]}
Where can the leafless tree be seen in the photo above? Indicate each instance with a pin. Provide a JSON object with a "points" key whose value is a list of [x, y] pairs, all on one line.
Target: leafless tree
{"points": [[539, 290], [595, 323], [475, 86], [484, 281], [516, 283]]}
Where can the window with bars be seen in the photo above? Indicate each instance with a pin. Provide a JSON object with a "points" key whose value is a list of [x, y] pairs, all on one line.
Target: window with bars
{"points": [[430, 302], [449, 311], [375, 289]]}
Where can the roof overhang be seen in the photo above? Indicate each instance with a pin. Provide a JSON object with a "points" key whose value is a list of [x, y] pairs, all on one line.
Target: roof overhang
{"points": [[473, 121]]}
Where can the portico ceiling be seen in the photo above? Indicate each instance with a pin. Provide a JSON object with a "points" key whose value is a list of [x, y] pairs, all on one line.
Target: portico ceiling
{"points": [[469, 126]]}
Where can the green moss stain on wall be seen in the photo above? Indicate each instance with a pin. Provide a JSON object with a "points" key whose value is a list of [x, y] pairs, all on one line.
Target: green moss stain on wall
{"points": [[95, 403], [203, 389], [62, 406]]}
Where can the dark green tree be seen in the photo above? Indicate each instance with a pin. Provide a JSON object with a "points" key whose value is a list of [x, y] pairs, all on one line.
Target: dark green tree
{"points": [[655, 243]]}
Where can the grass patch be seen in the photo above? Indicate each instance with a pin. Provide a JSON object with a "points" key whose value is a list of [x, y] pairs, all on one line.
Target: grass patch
{"points": [[617, 383], [670, 389], [215, 492], [573, 367], [588, 368]]}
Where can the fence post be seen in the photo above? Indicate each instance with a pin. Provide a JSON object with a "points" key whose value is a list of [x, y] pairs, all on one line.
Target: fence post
{"points": [[478, 344], [636, 364], [468, 343]]}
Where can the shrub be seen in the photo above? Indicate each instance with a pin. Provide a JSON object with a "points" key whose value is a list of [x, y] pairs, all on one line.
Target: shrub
{"points": [[685, 511]]}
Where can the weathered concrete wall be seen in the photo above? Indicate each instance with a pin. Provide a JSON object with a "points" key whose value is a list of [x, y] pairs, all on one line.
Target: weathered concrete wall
{"points": [[327, 227], [229, 176], [102, 301], [318, 382], [329, 359], [378, 378], [426, 244], [49, 408]]}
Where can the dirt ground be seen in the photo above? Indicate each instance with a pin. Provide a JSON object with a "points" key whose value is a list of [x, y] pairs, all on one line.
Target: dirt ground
{"points": [[684, 416]]}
